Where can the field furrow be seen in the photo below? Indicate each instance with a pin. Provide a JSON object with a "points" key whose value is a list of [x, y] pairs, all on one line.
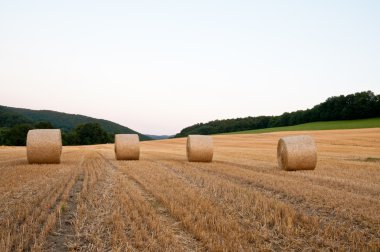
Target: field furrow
{"points": [[239, 202], [59, 235], [93, 213], [208, 222], [297, 216], [360, 208], [30, 210], [168, 233]]}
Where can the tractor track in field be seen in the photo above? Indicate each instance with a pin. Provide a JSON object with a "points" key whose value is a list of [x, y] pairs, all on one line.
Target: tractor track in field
{"points": [[300, 204], [206, 194], [64, 229], [363, 191], [331, 183], [31, 221], [334, 184], [52, 215], [84, 211], [186, 201], [188, 241], [296, 200]]}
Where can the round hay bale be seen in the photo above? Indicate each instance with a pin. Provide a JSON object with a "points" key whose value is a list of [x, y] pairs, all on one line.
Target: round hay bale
{"points": [[44, 146], [199, 148], [127, 147], [297, 153]]}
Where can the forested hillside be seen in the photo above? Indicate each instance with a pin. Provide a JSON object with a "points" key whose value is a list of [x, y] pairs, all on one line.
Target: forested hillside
{"points": [[354, 106], [76, 129]]}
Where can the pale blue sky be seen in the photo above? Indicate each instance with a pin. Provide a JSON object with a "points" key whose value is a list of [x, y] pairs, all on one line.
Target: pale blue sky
{"points": [[159, 66]]}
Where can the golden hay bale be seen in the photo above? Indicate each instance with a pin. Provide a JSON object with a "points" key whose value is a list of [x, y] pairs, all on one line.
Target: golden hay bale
{"points": [[127, 147], [199, 148], [297, 153], [44, 146]]}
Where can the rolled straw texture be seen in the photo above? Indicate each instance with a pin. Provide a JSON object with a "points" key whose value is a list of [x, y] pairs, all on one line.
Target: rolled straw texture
{"points": [[199, 148], [44, 146], [297, 153], [127, 147]]}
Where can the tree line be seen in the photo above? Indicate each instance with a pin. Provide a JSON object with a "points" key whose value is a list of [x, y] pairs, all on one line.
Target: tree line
{"points": [[83, 134], [353, 106], [10, 116], [14, 127]]}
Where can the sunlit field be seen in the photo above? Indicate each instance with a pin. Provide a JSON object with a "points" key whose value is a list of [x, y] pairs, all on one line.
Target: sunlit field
{"points": [[239, 202]]}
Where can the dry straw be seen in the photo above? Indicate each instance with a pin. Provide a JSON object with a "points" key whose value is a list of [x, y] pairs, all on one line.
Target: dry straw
{"points": [[297, 153], [199, 148], [44, 146], [127, 147]]}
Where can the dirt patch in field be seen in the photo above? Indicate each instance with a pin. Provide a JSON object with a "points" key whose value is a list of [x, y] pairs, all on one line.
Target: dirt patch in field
{"points": [[64, 228]]}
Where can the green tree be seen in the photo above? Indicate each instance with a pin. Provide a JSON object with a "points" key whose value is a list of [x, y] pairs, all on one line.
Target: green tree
{"points": [[69, 138], [85, 134], [17, 134], [43, 125], [3, 138]]}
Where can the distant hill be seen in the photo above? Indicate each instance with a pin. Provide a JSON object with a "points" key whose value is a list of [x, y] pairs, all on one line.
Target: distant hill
{"points": [[159, 137], [10, 116], [350, 107]]}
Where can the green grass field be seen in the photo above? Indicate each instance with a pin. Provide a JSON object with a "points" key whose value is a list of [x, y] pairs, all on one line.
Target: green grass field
{"points": [[346, 124]]}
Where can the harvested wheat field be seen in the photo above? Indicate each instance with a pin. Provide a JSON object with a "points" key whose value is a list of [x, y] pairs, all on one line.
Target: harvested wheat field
{"points": [[241, 201]]}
